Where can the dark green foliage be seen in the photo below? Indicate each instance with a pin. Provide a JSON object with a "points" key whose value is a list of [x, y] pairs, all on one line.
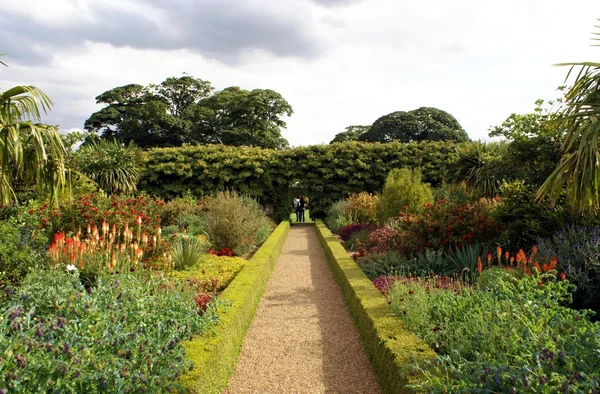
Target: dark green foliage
{"points": [[324, 173], [338, 215], [523, 220], [19, 252], [423, 124]]}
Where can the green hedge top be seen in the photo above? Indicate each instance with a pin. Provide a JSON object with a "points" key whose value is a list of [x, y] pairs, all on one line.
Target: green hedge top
{"points": [[325, 173]]}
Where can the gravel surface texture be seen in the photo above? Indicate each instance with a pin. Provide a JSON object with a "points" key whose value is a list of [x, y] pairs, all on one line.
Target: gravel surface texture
{"points": [[302, 339]]}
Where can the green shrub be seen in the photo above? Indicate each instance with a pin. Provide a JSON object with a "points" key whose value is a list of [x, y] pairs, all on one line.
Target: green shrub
{"points": [[124, 336], [19, 252], [185, 206], [170, 230], [512, 335], [338, 215], [236, 222], [403, 192], [193, 224], [188, 251]]}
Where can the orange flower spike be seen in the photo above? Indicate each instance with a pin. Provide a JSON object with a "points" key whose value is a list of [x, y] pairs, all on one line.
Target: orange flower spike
{"points": [[546, 267], [138, 220], [499, 253], [534, 250], [489, 258], [537, 266], [144, 238], [479, 265], [563, 276], [553, 262], [512, 259], [89, 228]]}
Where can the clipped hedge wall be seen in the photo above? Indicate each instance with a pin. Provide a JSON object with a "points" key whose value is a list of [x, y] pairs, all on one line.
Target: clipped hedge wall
{"points": [[388, 343], [325, 173], [215, 353]]}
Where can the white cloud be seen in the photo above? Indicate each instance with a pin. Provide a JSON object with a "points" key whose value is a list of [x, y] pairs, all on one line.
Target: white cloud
{"points": [[480, 61]]}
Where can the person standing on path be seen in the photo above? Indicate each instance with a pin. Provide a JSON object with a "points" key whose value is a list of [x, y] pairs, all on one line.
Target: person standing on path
{"points": [[297, 208], [301, 206]]}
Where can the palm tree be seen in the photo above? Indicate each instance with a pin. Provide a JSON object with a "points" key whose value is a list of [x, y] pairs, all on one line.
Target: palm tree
{"points": [[479, 165], [579, 167], [30, 153], [114, 167]]}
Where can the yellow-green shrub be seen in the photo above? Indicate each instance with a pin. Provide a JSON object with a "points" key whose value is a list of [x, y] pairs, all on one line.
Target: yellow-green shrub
{"points": [[222, 268]]}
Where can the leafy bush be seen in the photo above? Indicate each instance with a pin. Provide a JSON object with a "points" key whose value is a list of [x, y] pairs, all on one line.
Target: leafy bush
{"points": [[347, 231], [578, 253], [338, 215], [19, 253], [513, 335], [188, 251], [403, 192], [237, 222], [125, 336], [363, 207], [467, 260], [445, 224]]}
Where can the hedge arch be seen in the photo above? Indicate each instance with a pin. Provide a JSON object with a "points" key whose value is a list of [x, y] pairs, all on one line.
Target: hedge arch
{"points": [[324, 173]]}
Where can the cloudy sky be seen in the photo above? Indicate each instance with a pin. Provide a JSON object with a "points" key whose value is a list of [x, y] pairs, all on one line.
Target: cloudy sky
{"points": [[337, 62]]}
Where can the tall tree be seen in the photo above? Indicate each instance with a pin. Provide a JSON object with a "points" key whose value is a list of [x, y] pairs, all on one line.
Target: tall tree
{"points": [[184, 110], [352, 133], [30, 153], [422, 124]]}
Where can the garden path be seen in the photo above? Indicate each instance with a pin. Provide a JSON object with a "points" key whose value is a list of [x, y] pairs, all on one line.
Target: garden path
{"points": [[302, 339]]}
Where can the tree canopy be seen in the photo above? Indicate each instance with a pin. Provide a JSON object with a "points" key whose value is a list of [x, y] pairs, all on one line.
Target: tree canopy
{"points": [[186, 110], [422, 124], [352, 133]]}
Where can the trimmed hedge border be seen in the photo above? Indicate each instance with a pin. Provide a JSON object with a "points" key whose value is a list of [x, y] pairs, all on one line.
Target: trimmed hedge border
{"points": [[215, 353], [389, 345]]}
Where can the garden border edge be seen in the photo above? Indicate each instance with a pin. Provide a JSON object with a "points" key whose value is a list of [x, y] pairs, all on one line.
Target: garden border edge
{"points": [[390, 346], [215, 353]]}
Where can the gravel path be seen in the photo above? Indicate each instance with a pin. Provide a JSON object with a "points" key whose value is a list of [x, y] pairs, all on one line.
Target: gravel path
{"points": [[302, 339]]}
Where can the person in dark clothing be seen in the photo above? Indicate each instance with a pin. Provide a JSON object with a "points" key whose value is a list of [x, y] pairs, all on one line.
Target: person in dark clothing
{"points": [[301, 208]]}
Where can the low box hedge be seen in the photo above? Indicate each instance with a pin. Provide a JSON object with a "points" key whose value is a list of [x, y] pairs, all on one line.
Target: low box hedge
{"points": [[390, 346], [215, 353]]}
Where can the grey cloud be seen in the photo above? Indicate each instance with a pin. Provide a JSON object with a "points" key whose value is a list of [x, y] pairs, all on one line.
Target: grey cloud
{"points": [[211, 28]]}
